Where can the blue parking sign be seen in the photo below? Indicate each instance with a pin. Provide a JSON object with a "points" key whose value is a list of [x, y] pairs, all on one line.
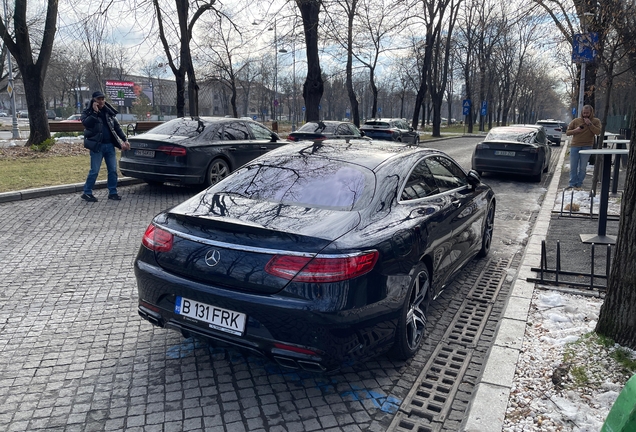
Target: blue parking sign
{"points": [[484, 108]]}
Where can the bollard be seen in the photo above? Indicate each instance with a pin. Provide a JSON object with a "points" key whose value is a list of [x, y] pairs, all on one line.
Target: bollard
{"points": [[622, 416]]}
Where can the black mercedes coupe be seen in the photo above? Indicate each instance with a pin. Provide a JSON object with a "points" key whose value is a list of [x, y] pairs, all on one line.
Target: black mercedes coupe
{"points": [[316, 255]]}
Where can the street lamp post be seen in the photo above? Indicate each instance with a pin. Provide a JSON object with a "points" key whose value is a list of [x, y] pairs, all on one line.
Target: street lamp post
{"points": [[283, 51], [275, 101], [14, 128]]}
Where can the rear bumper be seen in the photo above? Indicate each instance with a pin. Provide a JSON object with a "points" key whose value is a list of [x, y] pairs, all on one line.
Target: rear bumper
{"points": [[160, 174], [507, 166], [336, 337]]}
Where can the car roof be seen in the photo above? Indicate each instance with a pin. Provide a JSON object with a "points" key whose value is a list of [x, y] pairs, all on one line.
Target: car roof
{"points": [[368, 154]]}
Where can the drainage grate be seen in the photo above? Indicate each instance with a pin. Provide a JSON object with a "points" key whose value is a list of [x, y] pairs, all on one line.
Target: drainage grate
{"points": [[426, 406]]}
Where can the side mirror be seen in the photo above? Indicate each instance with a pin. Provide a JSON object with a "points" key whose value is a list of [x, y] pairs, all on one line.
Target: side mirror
{"points": [[274, 137], [362, 133], [473, 178]]}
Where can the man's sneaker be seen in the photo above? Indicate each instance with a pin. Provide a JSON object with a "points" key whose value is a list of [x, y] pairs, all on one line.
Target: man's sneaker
{"points": [[114, 197], [89, 197]]}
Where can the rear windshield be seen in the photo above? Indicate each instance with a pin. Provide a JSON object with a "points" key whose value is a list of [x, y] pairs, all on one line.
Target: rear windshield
{"points": [[522, 135], [185, 127], [303, 182], [377, 123], [318, 127]]}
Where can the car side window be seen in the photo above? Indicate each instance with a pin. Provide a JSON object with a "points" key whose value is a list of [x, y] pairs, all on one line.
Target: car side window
{"points": [[420, 183], [260, 132], [353, 130], [235, 132], [343, 129], [447, 174], [541, 136]]}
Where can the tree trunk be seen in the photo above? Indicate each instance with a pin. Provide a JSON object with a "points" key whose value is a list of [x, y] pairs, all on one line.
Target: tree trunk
{"points": [[353, 100], [179, 78], [313, 86], [33, 80], [617, 319]]}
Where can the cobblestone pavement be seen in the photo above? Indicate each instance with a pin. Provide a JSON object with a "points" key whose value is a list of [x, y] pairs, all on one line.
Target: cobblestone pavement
{"points": [[75, 356]]}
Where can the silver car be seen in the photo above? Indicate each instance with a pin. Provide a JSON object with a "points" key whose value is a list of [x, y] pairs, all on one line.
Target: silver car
{"points": [[554, 129]]}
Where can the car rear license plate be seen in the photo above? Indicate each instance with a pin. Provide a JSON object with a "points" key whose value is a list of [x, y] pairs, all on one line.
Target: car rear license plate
{"points": [[504, 153], [217, 318], [145, 153]]}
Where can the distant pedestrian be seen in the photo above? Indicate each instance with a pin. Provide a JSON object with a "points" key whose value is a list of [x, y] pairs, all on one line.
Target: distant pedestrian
{"points": [[583, 131], [102, 134]]}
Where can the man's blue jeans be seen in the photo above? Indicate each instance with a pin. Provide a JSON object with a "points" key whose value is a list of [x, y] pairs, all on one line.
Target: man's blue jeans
{"points": [[107, 153], [578, 165]]}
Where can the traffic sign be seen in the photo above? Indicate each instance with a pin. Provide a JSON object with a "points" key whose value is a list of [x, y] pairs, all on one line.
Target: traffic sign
{"points": [[484, 108], [466, 107], [303, 108], [584, 47], [10, 89], [574, 112]]}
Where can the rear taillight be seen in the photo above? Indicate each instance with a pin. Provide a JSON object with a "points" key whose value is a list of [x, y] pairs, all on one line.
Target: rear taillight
{"points": [[291, 138], [320, 270], [157, 240], [171, 150]]}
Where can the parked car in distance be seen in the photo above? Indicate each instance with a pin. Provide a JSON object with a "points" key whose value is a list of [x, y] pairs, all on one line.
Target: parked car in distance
{"points": [[50, 114], [515, 149], [196, 150], [554, 129], [75, 118], [23, 114], [316, 254], [3, 114], [390, 129], [325, 129]]}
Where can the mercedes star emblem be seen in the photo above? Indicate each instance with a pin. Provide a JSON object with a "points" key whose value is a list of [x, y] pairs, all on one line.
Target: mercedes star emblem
{"points": [[213, 257]]}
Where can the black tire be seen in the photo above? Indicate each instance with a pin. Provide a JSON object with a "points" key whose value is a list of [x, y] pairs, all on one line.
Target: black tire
{"points": [[154, 182], [217, 171], [486, 237], [411, 328], [417, 140]]}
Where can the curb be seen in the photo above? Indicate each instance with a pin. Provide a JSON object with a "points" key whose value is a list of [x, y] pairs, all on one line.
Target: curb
{"points": [[61, 189], [487, 411]]}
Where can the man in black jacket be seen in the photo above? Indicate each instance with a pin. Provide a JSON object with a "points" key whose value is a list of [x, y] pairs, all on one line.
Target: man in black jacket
{"points": [[102, 134]]}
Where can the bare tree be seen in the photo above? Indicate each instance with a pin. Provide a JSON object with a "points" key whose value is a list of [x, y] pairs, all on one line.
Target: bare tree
{"points": [[181, 31], [225, 56], [440, 66], [433, 14], [33, 70]]}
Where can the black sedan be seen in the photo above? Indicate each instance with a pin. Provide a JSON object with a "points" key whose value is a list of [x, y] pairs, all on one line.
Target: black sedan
{"points": [[516, 149], [327, 129], [391, 130], [316, 255], [196, 150]]}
